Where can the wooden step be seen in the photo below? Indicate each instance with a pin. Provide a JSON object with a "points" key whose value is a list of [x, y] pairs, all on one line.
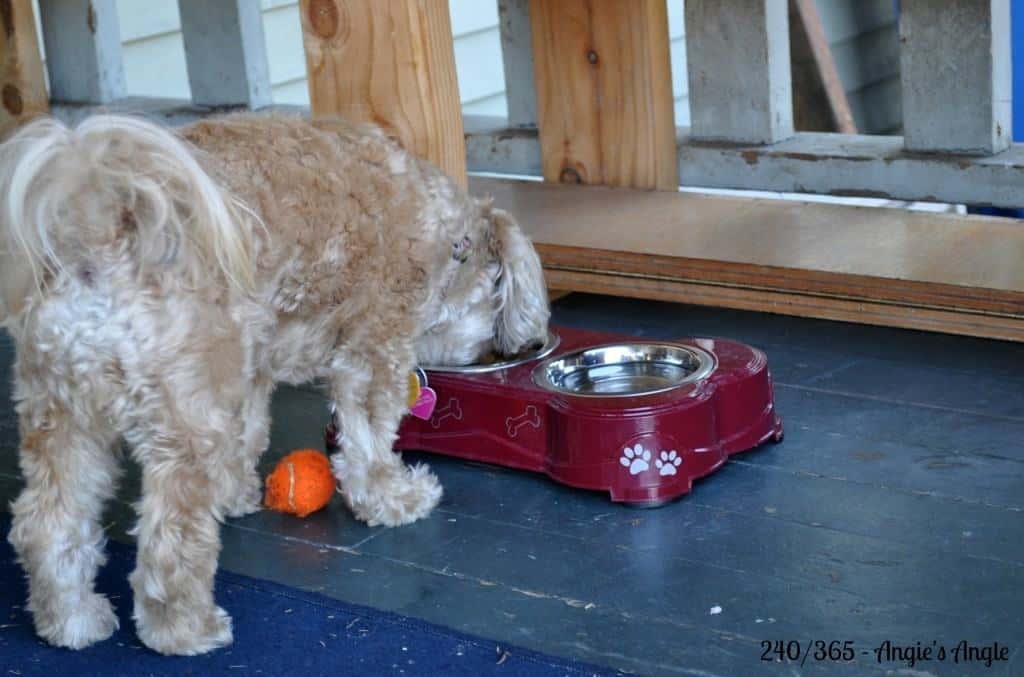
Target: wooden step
{"points": [[937, 272]]}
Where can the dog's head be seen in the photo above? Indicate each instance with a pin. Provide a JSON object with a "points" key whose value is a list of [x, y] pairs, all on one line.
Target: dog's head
{"points": [[496, 300]]}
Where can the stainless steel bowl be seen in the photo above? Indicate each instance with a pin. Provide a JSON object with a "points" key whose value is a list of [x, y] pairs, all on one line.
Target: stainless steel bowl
{"points": [[624, 369], [538, 352]]}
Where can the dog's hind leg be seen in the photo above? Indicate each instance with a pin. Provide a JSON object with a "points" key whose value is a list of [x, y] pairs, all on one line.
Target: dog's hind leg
{"points": [[182, 451], [70, 469], [370, 388]]}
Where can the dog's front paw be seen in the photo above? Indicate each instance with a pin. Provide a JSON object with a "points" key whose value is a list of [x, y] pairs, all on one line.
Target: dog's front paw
{"points": [[77, 626], [182, 632], [400, 495]]}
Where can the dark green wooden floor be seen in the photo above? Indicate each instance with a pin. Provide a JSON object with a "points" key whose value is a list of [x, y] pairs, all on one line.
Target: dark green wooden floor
{"points": [[894, 510]]}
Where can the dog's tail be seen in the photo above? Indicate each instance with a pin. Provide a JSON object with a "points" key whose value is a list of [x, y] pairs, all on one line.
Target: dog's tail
{"points": [[113, 186]]}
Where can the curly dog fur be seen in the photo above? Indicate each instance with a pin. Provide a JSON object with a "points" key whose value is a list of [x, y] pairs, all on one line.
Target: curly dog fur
{"points": [[157, 287]]}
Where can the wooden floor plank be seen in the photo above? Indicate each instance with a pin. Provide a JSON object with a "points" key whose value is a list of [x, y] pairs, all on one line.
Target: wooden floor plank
{"points": [[940, 430], [891, 511], [949, 389]]}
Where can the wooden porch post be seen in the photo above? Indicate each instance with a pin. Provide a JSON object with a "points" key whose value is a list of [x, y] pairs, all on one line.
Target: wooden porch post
{"points": [[22, 88], [604, 92], [390, 62]]}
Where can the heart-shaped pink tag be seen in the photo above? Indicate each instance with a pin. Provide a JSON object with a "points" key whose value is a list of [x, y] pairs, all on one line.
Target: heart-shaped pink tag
{"points": [[425, 403]]}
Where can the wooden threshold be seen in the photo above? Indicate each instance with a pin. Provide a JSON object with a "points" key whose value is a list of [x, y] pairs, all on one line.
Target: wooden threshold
{"points": [[936, 272]]}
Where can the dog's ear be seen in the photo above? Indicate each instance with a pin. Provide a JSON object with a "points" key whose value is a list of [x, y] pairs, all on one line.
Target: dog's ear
{"points": [[522, 295]]}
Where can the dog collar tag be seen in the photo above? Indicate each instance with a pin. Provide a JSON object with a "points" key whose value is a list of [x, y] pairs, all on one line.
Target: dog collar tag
{"points": [[422, 398]]}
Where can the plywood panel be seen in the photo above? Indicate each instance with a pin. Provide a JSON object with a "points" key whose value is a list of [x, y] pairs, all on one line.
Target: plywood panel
{"points": [[798, 305], [856, 263]]}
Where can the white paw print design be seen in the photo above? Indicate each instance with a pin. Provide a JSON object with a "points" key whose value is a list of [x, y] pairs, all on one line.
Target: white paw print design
{"points": [[636, 459], [668, 463]]}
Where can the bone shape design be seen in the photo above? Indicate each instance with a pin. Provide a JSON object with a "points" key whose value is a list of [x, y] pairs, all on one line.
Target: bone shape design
{"points": [[530, 417], [450, 410]]}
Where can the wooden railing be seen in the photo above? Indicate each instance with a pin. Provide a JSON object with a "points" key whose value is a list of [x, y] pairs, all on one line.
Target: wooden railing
{"points": [[955, 78], [590, 102]]}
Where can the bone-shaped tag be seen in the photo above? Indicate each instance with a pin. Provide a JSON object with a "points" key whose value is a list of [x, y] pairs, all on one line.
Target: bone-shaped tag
{"points": [[450, 410], [530, 417]]}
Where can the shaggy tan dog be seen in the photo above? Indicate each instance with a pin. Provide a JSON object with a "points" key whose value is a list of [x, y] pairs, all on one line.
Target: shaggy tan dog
{"points": [[158, 286]]}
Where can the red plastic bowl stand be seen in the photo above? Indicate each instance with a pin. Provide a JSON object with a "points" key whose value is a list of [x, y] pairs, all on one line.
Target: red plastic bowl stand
{"points": [[643, 450]]}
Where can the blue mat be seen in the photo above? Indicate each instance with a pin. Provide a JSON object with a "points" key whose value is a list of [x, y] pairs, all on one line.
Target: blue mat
{"points": [[278, 631]]}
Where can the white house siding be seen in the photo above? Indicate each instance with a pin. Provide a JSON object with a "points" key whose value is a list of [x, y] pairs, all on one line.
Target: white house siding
{"points": [[154, 55], [677, 45], [862, 33]]}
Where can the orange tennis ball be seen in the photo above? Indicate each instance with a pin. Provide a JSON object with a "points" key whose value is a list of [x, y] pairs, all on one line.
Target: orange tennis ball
{"points": [[301, 484]]}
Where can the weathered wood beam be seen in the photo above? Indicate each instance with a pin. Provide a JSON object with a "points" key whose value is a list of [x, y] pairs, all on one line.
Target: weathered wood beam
{"points": [[955, 72], [226, 52], [857, 166], [827, 164], [22, 85], [390, 62], [517, 58], [737, 54], [604, 92], [491, 146], [83, 50]]}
